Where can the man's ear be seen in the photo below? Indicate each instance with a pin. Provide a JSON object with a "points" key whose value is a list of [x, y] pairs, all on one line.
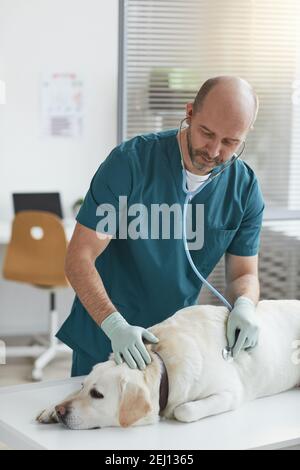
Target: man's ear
{"points": [[134, 404], [189, 110]]}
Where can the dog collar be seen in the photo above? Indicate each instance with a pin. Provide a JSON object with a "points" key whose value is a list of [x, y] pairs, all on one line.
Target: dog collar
{"points": [[164, 387]]}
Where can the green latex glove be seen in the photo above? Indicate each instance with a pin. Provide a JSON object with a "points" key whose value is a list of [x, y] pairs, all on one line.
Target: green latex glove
{"points": [[242, 326], [127, 341]]}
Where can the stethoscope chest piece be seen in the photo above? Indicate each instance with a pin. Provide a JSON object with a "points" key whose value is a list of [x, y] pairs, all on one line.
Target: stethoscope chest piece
{"points": [[227, 354]]}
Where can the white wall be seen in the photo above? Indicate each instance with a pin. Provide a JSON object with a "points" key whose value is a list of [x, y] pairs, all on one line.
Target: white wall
{"points": [[39, 37]]}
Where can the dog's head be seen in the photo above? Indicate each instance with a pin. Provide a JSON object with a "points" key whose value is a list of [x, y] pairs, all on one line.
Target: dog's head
{"points": [[110, 396]]}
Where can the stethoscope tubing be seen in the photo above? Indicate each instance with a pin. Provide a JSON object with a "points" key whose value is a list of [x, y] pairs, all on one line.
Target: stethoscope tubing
{"points": [[189, 196]]}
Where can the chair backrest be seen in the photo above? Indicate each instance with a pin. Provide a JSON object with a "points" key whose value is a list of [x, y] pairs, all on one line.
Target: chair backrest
{"points": [[37, 250]]}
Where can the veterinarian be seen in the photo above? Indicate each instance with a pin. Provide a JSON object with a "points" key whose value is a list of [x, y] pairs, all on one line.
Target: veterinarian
{"points": [[126, 284]]}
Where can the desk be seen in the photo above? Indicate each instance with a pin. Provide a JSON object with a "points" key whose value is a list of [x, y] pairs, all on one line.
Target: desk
{"points": [[268, 423], [5, 230]]}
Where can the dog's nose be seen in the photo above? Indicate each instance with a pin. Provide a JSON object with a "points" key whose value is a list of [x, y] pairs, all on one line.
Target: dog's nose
{"points": [[61, 410]]}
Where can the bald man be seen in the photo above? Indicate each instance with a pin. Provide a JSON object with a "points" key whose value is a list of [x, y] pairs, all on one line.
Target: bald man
{"points": [[126, 279]]}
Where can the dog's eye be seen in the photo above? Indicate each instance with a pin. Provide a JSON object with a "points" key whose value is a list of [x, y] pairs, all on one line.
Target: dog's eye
{"points": [[95, 394]]}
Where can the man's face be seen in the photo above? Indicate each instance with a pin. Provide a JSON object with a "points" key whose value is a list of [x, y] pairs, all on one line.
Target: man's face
{"points": [[212, 139]]}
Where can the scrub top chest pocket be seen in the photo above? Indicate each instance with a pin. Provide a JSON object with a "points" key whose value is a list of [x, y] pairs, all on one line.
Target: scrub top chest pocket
{"points": [[216, 241]]}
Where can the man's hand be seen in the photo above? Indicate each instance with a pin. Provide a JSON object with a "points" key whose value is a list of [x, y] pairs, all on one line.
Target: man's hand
{"points": [[127, 341], [242, 326]]}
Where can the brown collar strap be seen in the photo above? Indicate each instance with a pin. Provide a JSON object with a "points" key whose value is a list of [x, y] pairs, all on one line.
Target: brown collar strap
{"points": [[164, 387]]}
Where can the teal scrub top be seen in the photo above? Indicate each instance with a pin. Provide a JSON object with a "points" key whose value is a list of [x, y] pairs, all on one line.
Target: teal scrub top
{"points": [[148, 280]]}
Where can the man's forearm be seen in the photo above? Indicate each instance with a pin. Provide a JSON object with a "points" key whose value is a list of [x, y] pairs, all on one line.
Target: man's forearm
{"points": [[89, 287], [246, 285]]}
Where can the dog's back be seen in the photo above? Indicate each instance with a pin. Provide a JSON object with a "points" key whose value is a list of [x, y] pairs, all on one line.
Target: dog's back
{"points": [[191, 343]]}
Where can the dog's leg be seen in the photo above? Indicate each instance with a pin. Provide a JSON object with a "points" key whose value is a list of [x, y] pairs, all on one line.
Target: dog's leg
{"points": [[212, 405], [49, 415]]}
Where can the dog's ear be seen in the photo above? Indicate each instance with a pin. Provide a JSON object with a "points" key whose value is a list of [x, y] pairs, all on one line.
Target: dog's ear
{"points": [[134, 404]]}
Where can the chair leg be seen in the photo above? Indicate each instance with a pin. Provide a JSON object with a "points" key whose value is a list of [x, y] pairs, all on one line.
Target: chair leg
{"points": [[54, 345], [24, 351], [40, 340]]}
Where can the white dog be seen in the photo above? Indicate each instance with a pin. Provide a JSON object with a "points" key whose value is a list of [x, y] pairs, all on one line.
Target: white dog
{"points": [[188, 378]]}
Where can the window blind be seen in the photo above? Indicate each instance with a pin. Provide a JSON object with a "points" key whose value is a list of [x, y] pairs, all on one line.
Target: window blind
{"points": [[170, 47]]}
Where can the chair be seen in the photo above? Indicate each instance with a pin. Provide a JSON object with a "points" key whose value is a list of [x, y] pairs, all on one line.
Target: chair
{"points": [[36, 255]]}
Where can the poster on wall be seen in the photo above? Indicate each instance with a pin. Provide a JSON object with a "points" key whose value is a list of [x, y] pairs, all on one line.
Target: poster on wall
{"points": [[62, 105]]}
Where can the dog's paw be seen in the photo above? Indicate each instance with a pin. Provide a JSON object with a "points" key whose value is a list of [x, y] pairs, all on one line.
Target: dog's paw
{"points": [[48, 416], [185, 413]]}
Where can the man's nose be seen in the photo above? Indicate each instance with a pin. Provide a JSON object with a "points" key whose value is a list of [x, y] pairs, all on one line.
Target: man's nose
{"points": [[213, 150]]}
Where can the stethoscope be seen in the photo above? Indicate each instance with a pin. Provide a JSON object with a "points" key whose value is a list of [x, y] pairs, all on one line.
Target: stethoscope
{"points": [[226, 352]]}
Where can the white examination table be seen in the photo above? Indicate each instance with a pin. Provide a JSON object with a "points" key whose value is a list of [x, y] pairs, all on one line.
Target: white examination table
{"points": [[268, 423]]}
